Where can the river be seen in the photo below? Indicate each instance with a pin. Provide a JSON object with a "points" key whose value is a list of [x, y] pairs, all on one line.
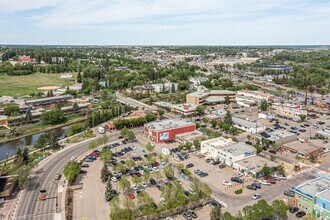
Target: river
{"points": [[8, 149]]}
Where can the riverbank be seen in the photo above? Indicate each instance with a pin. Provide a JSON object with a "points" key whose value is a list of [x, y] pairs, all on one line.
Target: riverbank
{"points": [[42, 129]]}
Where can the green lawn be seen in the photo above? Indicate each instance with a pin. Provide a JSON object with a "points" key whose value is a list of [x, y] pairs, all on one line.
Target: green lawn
{"points": [[24, 85]]}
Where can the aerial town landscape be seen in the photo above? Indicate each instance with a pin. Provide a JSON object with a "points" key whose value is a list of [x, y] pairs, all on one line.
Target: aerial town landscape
{"points": [[140, 131]]}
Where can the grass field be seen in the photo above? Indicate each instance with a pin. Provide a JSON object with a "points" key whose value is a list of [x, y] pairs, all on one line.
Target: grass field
{"points": [[24, 85]]}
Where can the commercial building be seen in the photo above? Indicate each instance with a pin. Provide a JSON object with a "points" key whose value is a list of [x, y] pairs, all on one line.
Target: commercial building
{"points": [[278, 137], [313, 196], [185, 109], [217, 115], [289, 111], [48, 103], [305, 149], [226, 150], [196, 81], [254, 95], [325, 132], [252, 166], [166, 130], [206, 96], [188, 137], [248, 125]]}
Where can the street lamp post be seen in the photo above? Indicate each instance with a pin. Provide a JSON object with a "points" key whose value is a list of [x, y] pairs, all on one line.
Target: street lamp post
{"points": [[56, 197]]}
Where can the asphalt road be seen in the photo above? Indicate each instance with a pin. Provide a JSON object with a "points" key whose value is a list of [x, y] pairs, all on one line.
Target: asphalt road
{"points": [[29, 206]]}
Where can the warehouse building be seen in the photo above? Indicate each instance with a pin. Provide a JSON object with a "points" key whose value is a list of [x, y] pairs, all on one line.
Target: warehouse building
{"points": [[166, 130]]}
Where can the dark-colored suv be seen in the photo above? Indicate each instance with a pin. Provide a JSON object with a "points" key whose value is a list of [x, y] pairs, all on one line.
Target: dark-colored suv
{"points": [[236, 179]]}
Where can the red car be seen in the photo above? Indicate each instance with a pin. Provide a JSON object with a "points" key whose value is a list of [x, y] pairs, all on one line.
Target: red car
{"points": [[138, 174], [131, 196], [156, 164], [270, 180]]}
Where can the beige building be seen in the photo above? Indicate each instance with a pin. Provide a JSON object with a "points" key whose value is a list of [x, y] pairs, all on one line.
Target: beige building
{"points": [[206, 96], [289, 110]]}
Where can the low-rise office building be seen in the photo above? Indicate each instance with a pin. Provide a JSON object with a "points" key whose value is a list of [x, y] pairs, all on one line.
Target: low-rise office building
{"points": [[325, 132], [206, 96], [166, 130], [305, 149], [278, 137], [227, 151], [289, 111], [185, 109], [189, 137], [313, 196], [252, 166], [248, 125]]}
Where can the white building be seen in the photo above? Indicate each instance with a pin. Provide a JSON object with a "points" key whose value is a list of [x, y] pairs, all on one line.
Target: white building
{"points": [[289, 110], [165, 87], [247, 125], [197, 81], [227, 151]]}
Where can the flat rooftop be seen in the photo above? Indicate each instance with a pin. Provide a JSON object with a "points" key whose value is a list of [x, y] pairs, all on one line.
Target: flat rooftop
{"points": [[168, 124], [305, 147], [278, 134], [256, 163], [239, 149], [316, 187], [218, 143], [246, 122]]}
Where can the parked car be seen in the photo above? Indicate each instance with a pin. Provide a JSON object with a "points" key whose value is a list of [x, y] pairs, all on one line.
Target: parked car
{"points": [[221, 166], [114, 179], [272, 151], [189, 165], [192, 213], [226, 183], [187, 215], [293, 209], [57, 176], [215, 203], [252, 187], [256, 196], [84, 165], [264, 182], [143, 184], [236, 179], [131, 196], [89, 160], [300, 214], [153, 181], [289, 192], [257, 185]]}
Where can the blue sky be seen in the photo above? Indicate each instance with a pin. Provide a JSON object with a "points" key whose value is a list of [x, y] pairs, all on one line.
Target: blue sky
{"points": [[165, 22]]}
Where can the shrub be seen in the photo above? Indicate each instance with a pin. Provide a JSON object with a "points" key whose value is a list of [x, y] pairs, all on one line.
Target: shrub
{"points": [[239, 191]]}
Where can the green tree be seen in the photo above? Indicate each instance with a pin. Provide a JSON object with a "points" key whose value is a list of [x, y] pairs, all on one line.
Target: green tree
{"points": [[105, 173], [214, 123], [280, 208], [169, 172], [197, 144], [281, 170], [109, 192], [10, 109], [228, 118], [28, 116], [79, 78], [53, 117], [161, 111], [216, 213], [71, 171], [227, 100], [302, 117], [150, 117], [53, 139], [75, 107], [124, 184], [200, 109], [25, 155], [42, 141], [23, 175], [266, 170], [149, 147], [106, 155], [263, 105]]}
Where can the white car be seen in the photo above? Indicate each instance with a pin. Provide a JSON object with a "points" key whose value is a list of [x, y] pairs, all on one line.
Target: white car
{"points": [[238, 174], [256, 196], [134, 187], [326, 150], [226, 183], [114, 179], [177, 159], [155, 169], [168, 218], [143, 184], [73, 158], [141, 172], [264, 182], [145, 166], [281, 177], [133, 147]]}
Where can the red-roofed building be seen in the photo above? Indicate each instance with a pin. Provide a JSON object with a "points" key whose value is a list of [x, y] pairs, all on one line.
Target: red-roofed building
{"points": [[24, 59]]}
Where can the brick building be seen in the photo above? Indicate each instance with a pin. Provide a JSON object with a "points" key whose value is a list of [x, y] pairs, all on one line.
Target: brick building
{"points": [[166, 130]]}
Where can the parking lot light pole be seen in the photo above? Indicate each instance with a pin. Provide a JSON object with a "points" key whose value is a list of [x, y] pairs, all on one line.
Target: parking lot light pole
{"points": [[56, 197]]}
